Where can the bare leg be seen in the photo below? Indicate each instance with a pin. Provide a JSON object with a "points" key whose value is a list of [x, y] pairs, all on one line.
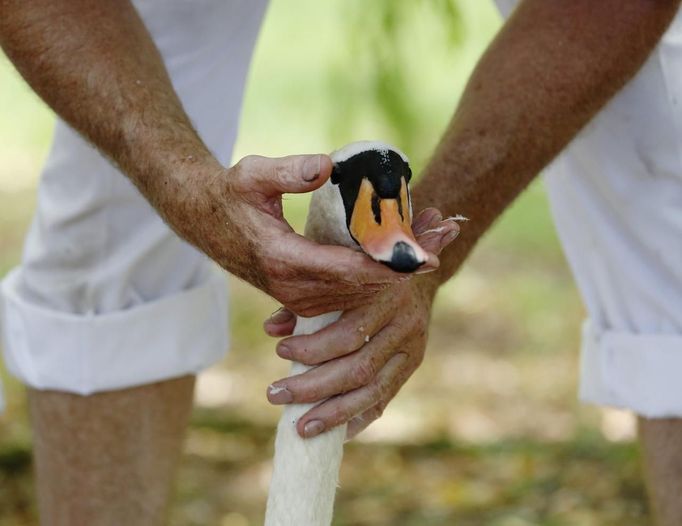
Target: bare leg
{"points": [[109, 459], [662, 449]]}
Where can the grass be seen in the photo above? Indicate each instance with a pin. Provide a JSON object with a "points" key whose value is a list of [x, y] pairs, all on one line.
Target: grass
{"points": [[487, 432]]}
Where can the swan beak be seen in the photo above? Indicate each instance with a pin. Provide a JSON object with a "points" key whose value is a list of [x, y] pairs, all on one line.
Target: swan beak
{"points": [[382, 228]]}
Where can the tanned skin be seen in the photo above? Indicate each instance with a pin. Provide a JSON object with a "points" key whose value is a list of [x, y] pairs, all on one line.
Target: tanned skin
{"points": [[661, 443], [551, 68], [96, 65], [109, 459], [526, 100]]}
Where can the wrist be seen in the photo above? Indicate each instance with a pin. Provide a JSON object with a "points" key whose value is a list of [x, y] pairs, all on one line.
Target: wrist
{"points": [[185, 178], [188, 193], [426, 286]]}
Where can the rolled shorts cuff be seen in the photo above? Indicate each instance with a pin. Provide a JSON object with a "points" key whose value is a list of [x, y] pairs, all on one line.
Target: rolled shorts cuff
{"points": [[83, 354], [639, 372]]}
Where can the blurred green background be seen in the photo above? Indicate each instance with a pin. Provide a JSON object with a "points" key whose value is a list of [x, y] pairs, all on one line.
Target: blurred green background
{"points": [[488, 431]]}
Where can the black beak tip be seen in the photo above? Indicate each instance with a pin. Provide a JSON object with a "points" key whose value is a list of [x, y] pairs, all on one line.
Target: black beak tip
{"points": [[403, 258]]}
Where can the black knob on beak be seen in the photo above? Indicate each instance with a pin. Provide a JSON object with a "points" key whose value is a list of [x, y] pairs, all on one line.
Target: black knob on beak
{"points": [[403, 258]]}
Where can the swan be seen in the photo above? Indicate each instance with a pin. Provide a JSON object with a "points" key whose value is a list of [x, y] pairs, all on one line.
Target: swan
{"points": [[365, 204]]}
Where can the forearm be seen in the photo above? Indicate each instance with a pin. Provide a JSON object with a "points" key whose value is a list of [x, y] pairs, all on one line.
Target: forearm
{"points": [[551, 68], [96, 65]]}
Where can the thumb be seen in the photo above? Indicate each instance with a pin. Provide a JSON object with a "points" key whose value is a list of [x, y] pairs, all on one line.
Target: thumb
{"points": [[275, 176]]}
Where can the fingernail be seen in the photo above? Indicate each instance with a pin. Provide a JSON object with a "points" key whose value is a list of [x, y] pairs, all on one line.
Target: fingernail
{"points": [[312, 168], [313, 428], [284, 352], [425, 270], [436, 219], [281, 315], [450, 237], [279, 394]]}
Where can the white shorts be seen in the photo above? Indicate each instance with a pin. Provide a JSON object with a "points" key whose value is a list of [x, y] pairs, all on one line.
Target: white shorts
{"points": [[616, 197], [107, 297]]}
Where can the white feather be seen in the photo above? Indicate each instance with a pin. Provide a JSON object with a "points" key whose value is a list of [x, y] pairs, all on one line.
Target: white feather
{"points": [[306, 472], [355, 148]]}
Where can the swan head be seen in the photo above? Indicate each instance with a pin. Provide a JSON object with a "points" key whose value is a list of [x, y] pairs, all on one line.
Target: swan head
{"points": [[372, 179]]}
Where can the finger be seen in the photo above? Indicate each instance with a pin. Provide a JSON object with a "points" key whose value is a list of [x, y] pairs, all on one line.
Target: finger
{"points": [[359, 423], [331, 301], [340, 375], [280, 331], [280, 323], [341, 409], [450, 236], [349, 333], [439, 236], [426, 219], [333, 263], [275, 176], [432, 263]]}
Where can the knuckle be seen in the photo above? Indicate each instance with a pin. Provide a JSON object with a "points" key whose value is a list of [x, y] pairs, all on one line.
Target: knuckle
{"points": [[246, 164], [357, 341], [283, 172], [419, 327], [395, 333], [378, 410], [241, 171], [245, 172], [308, 394], [339, 415], [379, 391], [375, 392], [363, 372], [377, 413]]}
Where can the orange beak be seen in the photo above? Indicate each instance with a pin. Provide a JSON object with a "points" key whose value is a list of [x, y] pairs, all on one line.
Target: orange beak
{"points": [[382, 227]]}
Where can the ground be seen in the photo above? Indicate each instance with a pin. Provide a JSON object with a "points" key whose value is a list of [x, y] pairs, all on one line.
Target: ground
{"points": [[487, 432]]}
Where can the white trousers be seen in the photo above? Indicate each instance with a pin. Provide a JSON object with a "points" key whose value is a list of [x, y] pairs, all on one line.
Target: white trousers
{"points": [[106, 296]]}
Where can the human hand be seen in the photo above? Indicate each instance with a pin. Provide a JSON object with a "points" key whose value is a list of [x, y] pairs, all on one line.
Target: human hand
{"points": [[366, 356], [236, 218]]}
